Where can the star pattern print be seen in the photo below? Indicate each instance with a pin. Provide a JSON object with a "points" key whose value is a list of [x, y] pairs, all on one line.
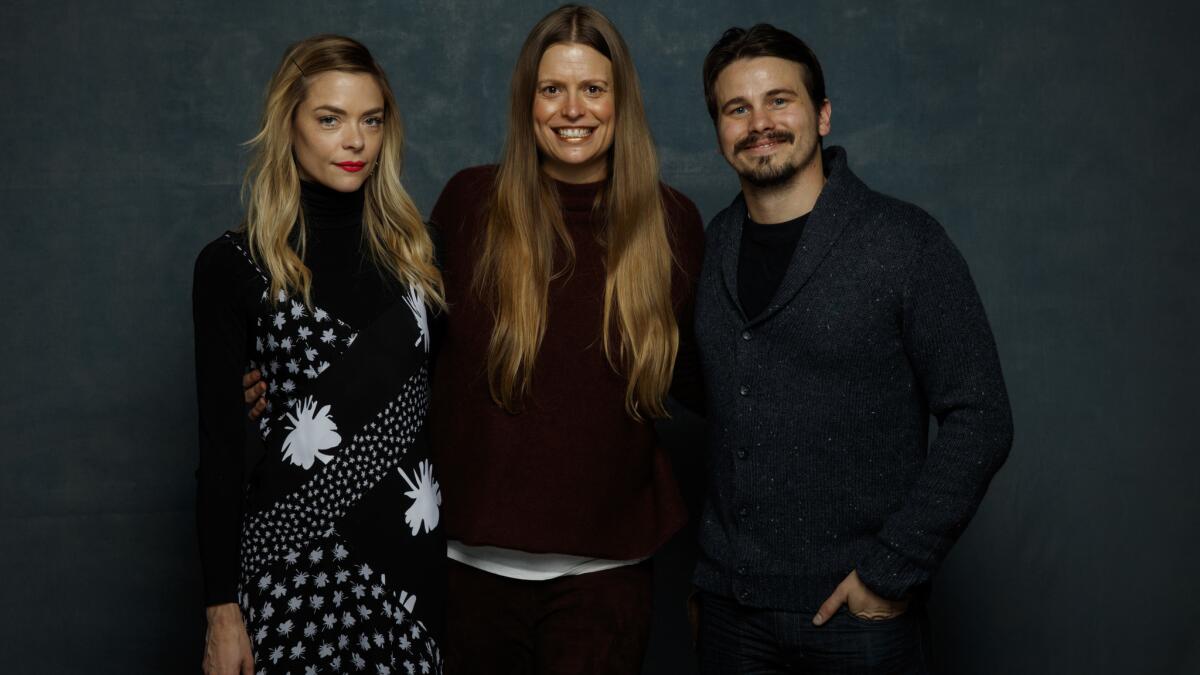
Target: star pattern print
{"points": [[333, 613], [292, 345]]}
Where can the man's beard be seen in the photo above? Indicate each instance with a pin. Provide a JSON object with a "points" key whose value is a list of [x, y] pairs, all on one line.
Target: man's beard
{"points": [[764, 175]]}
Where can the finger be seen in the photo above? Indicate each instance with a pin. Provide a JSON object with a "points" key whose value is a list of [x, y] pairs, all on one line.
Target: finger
{"points": [[830, 606], [257, 410], [247, 663], [253, 391], [250, 378]]}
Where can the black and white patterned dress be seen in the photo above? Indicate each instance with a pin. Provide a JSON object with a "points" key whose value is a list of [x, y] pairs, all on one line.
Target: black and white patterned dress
{"points": [[321, 520]]}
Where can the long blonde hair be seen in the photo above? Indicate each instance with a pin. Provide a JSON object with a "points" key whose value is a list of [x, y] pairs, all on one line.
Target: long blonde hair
{"points": [[396, 236], [525, 226]]}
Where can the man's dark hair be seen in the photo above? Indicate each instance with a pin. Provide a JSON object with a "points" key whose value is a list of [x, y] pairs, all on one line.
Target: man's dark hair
{"points": [[762, 39]]}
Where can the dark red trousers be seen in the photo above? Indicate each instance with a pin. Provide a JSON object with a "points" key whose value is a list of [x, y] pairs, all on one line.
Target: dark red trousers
{"points": [[573, 625]]}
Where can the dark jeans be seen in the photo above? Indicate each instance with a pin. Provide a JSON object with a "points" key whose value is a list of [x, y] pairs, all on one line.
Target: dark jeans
{"points": [[737, 640], [574, 625]]}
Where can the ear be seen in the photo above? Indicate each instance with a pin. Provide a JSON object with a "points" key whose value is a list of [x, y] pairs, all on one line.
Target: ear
{"points": [[824, 115]]}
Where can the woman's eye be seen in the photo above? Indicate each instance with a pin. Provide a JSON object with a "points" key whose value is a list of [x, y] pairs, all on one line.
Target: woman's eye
{"points": [[374, 121], [327, 120], [550, 90], [594, 90]]}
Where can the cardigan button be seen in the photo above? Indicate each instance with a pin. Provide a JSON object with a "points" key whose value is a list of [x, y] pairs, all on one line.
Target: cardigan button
{"points": [[742, 570], [744, 595], [741, 454], [746, 335], [744, 390], [743, 512]]}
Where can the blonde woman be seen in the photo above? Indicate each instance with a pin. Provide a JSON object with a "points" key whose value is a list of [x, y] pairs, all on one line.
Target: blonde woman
{"points": [[319, 525], [570, 271]]}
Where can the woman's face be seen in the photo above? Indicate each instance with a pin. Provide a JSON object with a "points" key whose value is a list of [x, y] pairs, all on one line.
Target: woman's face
{"points": [[574, 112], [337, 130]]}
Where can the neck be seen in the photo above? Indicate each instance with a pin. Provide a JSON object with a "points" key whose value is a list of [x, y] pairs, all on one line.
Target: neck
{"points": [[786, 202]]}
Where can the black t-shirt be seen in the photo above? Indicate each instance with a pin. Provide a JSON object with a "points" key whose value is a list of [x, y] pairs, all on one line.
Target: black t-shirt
{"points": [[766, 251]]}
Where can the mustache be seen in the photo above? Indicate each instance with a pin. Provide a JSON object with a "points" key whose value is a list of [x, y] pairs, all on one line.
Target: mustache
{"points": [[756, 138]]}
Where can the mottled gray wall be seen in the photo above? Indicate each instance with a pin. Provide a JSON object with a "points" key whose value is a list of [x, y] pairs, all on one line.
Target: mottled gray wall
{"points": [[1055, 141]]}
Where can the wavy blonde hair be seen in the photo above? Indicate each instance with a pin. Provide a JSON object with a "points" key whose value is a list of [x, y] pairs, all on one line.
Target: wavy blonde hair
{"points": [[525, 226], [398, 242]]}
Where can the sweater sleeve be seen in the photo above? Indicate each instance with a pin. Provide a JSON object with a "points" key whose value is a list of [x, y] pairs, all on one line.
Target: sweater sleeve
{"points": [[687, 239], [953, 355], [220, 335]]}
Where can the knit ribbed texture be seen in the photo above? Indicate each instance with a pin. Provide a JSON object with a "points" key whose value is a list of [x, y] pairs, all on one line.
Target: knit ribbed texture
{"points": [[819, 407]]}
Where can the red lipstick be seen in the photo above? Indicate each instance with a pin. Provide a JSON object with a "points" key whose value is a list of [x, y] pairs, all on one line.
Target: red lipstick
{"points": [[352, 167]]}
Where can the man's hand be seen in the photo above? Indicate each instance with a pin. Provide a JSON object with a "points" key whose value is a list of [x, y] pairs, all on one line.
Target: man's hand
{"points": [[860, 600], [227, 645], [255, 388]]}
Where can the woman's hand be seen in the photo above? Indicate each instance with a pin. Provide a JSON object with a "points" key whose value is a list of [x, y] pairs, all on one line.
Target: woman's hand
{"points": [[255, 390], [227, 645]]}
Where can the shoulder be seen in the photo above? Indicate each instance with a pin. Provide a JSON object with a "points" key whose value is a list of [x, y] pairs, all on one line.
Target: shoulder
{"points": [[462, 198], [222, 255], [470, 181], [685, 227]]}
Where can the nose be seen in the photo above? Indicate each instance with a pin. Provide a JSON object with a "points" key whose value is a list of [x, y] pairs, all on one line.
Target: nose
{"points": [[760, 120], [573, 107], [353, 138]]}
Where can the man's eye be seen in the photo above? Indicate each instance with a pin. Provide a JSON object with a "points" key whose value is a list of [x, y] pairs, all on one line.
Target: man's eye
{"points": [[780, 102], [738, 110]]}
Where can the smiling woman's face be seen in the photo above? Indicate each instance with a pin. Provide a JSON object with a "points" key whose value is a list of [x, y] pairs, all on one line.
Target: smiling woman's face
{"points": [[574, 112], [337, 130]]}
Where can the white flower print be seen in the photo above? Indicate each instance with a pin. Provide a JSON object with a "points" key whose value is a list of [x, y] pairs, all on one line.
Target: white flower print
{"points": [[304, 332], [298, 651], [326, 336], [416, 303], [282, 296], [310, 353], [285, 628], [279, 320], [293, 366], [311, 431], [276, 654], [427, 498], [286, 344], [409, 601], [320, 315], [297, 310]]}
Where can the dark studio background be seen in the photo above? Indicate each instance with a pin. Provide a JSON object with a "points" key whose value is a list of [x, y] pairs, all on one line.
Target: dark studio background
{"points": [[1055, 142]]}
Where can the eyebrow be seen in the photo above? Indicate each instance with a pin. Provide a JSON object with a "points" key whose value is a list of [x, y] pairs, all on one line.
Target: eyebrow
{"points": [[338, 111], [741, 100]]}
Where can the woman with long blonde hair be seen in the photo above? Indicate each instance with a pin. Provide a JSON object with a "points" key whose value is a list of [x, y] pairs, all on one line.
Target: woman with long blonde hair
{"points": [[318, 528], [570, 271]]}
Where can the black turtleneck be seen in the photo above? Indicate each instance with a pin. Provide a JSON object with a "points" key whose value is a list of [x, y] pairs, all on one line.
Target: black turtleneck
{"points": [[346, 282], [766, 252]]}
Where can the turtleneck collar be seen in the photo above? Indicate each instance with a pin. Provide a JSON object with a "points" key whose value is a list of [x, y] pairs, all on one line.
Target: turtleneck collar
{"points": [[578, 199], [328, 209]]}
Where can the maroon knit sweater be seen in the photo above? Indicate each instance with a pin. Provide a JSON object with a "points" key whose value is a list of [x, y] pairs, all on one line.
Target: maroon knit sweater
{"points": [[573, 472]]}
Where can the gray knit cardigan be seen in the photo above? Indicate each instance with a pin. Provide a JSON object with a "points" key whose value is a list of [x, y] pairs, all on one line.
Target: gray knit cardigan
{"points": [[819, 408]]}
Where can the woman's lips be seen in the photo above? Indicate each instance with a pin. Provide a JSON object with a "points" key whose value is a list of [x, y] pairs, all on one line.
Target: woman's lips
{"points": [[352, 167]]}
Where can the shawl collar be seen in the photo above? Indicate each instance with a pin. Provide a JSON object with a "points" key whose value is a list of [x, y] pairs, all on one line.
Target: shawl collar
{"points": [[841, 197]]}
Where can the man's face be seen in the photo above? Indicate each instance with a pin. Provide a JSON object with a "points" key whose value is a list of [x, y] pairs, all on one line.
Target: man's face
{"points": [[767, 126]]}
